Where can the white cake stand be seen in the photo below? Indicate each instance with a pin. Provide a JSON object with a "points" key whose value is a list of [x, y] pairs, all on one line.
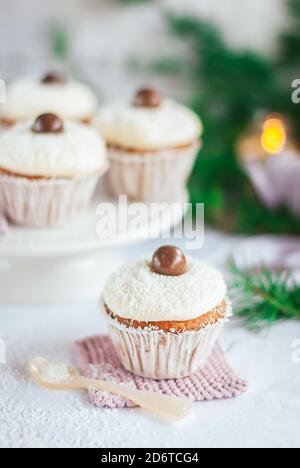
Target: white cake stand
{"points": [[70, 264]]}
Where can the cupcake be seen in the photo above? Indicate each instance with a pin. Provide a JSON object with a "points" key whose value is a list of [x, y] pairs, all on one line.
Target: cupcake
{"points": [[152, 144], [166, 314], [29, 97], [49, 169]]}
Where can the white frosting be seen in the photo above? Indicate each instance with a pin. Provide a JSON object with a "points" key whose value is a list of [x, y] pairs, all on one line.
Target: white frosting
{"points": [[77, 151], [167, 126], [135, 292], [28, 98]]}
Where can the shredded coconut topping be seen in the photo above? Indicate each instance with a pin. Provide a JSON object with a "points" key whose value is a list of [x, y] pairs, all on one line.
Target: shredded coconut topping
{"points": [[77, 151], [28, 97], [166, 126], [135, 292]]}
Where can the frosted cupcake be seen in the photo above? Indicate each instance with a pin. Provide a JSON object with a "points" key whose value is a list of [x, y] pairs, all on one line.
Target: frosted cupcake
{"points": [[166, 314], [49, 169], [152, 142], [29, 97]]}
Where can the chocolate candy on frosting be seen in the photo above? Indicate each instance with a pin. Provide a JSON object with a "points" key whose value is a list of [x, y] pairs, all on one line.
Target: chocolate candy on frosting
{"points": [[48, 123], [169, 261], [53, 78], [147, 97]]}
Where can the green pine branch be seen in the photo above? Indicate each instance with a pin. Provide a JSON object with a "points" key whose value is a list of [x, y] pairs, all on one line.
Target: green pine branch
{"points": [[262, 297]]}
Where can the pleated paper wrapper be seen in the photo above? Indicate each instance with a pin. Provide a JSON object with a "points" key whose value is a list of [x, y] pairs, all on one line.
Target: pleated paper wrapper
{"points": [[150, 177], [45, 203], [158, 354]]}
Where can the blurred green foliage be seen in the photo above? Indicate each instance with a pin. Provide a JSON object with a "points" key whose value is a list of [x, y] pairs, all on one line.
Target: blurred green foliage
{"points": [[229, 88], [134, 1], [289, 51], [59, 39]]}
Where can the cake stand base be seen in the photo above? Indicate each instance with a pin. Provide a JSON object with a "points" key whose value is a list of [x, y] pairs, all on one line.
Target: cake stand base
{"points": [[71, 264], [56, 280]]}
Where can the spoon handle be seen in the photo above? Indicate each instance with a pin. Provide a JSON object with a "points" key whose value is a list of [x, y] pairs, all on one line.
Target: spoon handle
{"points": [[165, 405]]}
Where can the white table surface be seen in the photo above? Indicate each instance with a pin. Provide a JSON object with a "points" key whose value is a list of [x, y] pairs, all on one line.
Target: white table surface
{"points": [[268, 415]]}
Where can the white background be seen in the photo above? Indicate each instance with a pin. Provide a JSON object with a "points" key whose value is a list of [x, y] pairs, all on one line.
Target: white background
{"points": [[23, 23], [104, 35]]}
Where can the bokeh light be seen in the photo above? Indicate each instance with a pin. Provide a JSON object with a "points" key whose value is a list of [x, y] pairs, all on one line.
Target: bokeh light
{"points": [[274, 135]]}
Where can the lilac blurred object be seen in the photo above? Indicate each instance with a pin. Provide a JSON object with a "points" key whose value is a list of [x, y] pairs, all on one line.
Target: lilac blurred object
{"points": [[277, 253], [277, 180], [3, 225]]}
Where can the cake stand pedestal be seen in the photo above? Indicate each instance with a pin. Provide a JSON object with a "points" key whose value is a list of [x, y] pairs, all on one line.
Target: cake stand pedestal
{"points": [[55, 280], [71, 264]]}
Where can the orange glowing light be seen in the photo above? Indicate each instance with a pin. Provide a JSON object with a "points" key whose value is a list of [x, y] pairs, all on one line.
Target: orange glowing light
{"points": [[274, 136]]}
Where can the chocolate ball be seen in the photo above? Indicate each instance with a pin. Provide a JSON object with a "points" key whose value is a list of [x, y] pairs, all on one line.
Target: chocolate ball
{"points": [[48, 123], [147, 97], [169, 261], [53, 78]]}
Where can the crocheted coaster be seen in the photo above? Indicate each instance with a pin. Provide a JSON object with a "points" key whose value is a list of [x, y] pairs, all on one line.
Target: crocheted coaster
{"points": [[98, 359]]}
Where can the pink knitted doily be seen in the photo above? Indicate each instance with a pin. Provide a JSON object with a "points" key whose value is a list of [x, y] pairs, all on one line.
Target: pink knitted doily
{"points": [[98, 359]]}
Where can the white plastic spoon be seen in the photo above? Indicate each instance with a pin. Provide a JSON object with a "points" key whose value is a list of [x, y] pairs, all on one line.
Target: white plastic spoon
{"points": [[60, 377]]}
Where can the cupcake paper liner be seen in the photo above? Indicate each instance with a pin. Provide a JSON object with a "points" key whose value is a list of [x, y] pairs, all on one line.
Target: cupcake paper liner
{"points": [[150, 177], [159, 355], [4, 229], [45, 203], [276, 181], [98, 360]]}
